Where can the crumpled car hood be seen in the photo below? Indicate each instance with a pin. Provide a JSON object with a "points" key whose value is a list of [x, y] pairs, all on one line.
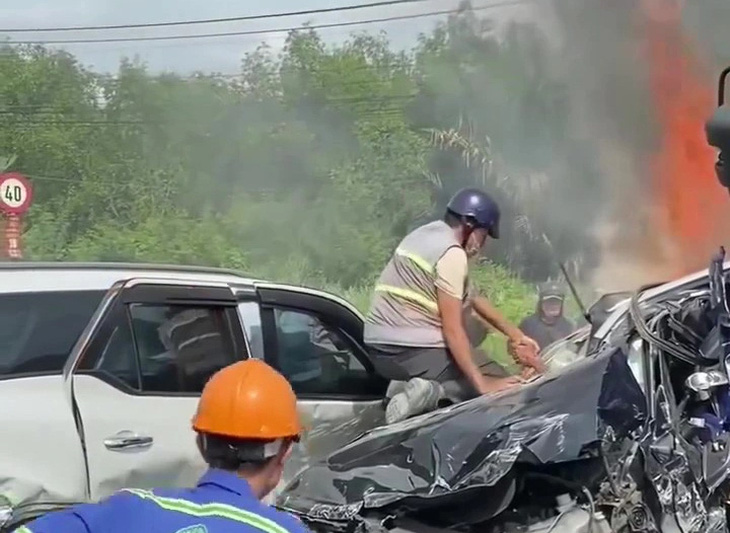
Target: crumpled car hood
{"points": [[474, 444]]}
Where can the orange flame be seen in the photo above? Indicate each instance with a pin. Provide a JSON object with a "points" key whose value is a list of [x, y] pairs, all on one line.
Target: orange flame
{"points": [[694, 210]]}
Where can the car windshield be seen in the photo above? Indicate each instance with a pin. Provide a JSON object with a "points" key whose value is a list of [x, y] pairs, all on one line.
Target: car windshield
{"points": [[38, 330]]}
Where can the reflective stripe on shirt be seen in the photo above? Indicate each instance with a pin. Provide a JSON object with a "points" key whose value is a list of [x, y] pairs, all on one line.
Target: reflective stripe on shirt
{"points": [[408, 294], [417, 259], [219, 510]]}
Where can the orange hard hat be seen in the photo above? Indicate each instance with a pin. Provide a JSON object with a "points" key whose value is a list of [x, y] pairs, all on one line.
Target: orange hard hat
{"points": [[248, 400]]}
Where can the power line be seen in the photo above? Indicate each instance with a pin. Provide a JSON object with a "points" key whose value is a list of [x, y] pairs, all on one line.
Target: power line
{"points": [[61, 179], [389, 105], [385, 105], [40, 109], [391, 69], [396, 67], [503, 3], [26, 123], [354, 7]]}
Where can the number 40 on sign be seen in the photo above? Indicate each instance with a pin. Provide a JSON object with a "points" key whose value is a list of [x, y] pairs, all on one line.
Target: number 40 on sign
{"points": [[16, 194]]}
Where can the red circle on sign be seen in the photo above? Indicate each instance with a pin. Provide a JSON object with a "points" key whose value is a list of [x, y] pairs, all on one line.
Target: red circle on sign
{"points": [[16, 193]]}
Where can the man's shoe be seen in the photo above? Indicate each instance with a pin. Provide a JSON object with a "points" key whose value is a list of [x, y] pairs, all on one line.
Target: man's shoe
{"points": [[395, 387], [419, 396]]}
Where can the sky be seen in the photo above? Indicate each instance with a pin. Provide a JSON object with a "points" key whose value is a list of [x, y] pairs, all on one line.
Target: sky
{"points": [[223, 54]]}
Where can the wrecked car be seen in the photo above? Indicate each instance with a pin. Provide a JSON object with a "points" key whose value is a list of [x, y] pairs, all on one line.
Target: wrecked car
{"points": [[628, 431]]}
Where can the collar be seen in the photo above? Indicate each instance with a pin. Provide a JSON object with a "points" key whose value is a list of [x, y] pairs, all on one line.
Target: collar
{"points": [[228, 481]]}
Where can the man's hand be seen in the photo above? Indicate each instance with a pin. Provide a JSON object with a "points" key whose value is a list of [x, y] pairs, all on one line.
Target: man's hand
{"points": [[524, 351], [530, 342], [522, 348], [489, 385]]}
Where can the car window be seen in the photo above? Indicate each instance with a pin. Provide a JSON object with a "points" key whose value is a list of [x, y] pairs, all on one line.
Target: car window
{"points": [[118, 358], [251, 317], [166, 348], [320, 359], [38, 330]]}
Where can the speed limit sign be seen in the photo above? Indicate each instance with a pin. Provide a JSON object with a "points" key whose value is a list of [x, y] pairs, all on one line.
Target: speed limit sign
{"points": [[16, 193]]}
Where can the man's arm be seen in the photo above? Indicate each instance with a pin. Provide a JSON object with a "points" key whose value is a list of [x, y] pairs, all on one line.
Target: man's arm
{"points": [[523, 349], [452, 322], [451, 272], [83, 518], [450, 309], [66, 521]]}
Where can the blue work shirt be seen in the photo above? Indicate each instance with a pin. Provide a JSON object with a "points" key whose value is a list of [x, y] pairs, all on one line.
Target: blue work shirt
{"points": [[221, 503]]}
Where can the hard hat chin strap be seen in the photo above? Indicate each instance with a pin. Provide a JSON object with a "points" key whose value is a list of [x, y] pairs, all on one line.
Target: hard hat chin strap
{"points": [[239, 450], [468, 228]]}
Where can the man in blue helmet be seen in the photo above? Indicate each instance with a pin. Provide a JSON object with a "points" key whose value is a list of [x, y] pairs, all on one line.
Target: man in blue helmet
{"points": [[416, 328]]}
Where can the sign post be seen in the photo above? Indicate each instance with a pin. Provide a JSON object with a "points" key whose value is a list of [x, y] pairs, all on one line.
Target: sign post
{"points": [[16, 195]]}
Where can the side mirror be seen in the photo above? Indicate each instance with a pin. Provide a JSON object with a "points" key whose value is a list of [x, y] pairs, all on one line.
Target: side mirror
{"points": [[703, 382], [717, 130]]}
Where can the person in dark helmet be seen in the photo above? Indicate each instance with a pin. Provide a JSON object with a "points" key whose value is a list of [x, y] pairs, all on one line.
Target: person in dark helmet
{"points": [[548, 324], [415, 328]]}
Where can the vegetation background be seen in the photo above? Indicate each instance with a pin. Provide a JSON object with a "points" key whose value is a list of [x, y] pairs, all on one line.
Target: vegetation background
{"points": [[308, 166]]}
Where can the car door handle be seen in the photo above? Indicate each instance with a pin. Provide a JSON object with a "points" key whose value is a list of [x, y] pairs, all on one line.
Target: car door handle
{"points": [[128, 441]]}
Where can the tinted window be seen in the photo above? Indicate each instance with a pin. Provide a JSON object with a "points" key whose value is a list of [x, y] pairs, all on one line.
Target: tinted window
{"points": [[117, 358], [165, 349], [38, 330], [319, 359]]}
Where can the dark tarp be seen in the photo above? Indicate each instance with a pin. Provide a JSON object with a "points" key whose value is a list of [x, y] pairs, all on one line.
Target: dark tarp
{"points": [[474, 444]]}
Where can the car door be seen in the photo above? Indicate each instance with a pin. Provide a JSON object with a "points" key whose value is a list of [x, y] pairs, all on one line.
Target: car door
{"points": [[137, 376], [316, 342]]}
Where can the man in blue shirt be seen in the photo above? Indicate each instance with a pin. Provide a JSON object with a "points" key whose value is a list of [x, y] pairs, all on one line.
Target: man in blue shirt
{"points": [[247, 423]]}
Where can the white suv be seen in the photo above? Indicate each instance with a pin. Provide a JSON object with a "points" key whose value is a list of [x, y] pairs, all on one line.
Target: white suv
{"points": [[101, 366]]}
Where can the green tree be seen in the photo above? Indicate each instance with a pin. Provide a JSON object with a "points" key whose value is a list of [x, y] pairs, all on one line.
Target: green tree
{"points": [[309, 166]]}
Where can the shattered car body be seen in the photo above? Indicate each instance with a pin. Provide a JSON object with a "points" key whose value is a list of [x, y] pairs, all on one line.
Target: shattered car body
{"points": [[471, 462], [632, 435]]}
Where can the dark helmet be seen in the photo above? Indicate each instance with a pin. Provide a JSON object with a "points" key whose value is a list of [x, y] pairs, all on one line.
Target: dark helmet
{"points": [[550, 289], [478, 208]]}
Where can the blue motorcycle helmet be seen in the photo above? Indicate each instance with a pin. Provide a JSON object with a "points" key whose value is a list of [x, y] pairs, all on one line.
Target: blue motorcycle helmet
{"points": [[476, 209]]}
